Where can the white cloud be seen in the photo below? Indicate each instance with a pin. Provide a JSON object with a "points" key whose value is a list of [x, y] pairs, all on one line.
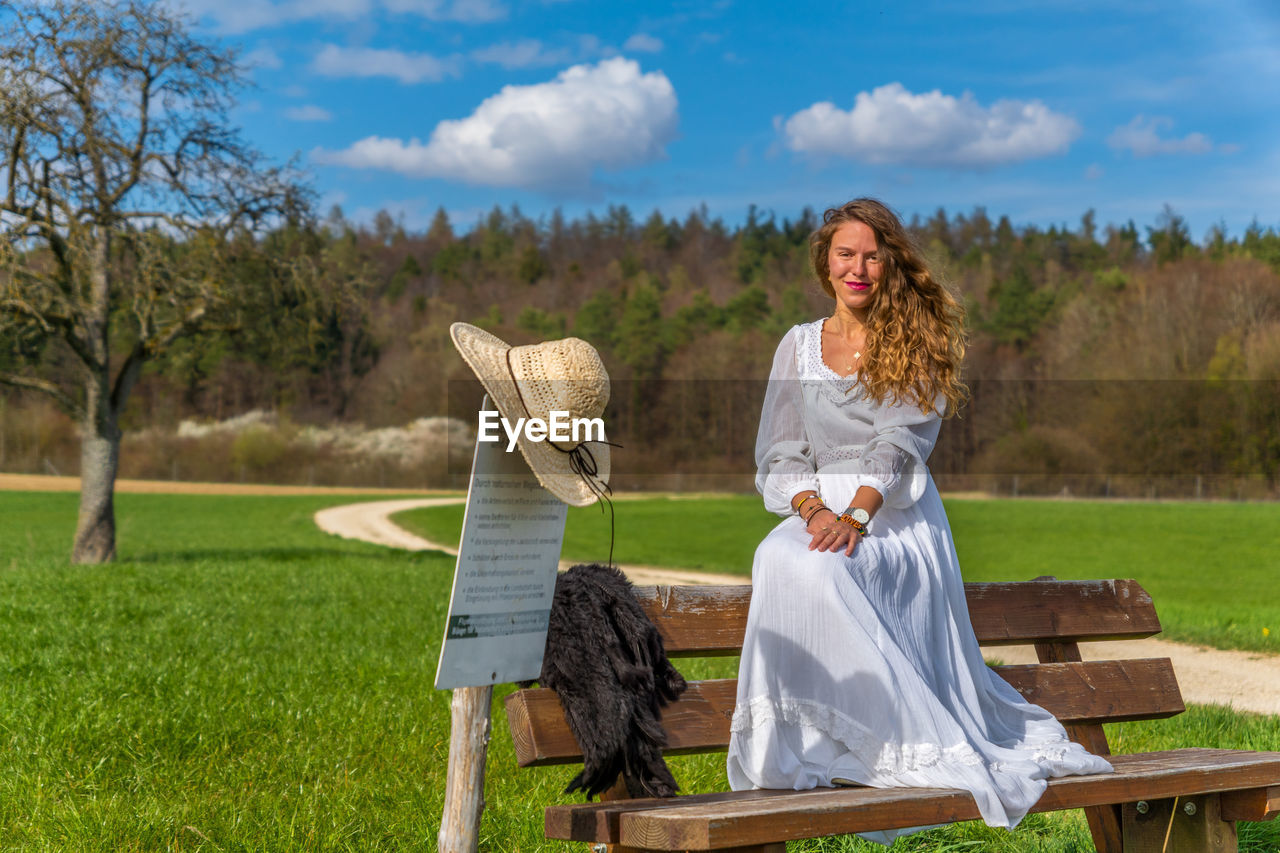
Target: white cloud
{"points": [[643, 43], [240, 16], [261, 57], [1093, 172], [893, 125], [1142, 137], [309, 112], [526, 53], [550, 135], [468, 11], [530, 52], [336, 61]]}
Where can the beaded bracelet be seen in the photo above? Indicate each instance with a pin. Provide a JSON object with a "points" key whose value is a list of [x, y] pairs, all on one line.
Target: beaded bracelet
{"points": [[820, 508]]}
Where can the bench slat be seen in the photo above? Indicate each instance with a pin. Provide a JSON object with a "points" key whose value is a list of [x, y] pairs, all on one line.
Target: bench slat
{"points": [[1089, 692], [712, 821], [1100, 691], [711, 620]]}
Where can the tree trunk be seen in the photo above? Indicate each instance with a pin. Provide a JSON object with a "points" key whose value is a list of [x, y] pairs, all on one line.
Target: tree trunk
{"points": [[99, 462], [100, 432]]}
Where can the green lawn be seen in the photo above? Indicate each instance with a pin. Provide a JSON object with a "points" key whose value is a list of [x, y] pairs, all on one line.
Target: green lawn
{"points": [[240, 681], [1212, 568]]}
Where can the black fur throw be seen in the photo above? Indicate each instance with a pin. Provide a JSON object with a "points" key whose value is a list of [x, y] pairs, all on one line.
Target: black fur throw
{"points": [[605, 660]]}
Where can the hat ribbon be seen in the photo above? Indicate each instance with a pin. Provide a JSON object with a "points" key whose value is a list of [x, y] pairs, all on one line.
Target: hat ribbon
{"points": [[581, 461]]}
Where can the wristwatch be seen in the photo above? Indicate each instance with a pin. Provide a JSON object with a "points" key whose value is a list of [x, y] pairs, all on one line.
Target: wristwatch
{"points": [[859, 514], [857, 517]]}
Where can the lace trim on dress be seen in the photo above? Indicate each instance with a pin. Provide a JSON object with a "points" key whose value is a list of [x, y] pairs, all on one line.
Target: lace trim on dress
{"points": [[1048, 754], [890, 758], [832, 455], [835, 387]]}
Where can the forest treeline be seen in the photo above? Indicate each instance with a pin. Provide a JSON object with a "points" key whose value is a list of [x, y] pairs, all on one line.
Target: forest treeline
{"points": [[1106, 359]]}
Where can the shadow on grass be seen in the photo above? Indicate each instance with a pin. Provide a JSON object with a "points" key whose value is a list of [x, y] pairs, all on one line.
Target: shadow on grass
{"points": [[285, 555]]}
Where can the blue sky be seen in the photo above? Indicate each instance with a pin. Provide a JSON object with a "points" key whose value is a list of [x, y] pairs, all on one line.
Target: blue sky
{"points": [[1038, 110]]}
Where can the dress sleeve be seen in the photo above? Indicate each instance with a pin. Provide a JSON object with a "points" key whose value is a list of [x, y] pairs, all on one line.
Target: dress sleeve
{"points": [[784, 456], [893, 463]]}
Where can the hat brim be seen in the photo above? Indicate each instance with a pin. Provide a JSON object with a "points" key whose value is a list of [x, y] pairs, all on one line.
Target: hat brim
{"points": [[486, 355]]}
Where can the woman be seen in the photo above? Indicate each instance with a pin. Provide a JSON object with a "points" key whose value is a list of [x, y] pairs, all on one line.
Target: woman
{"points": [[859, 664]]}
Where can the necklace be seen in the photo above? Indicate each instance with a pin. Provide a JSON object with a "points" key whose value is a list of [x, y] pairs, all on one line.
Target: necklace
{"points": [[850, 361]]}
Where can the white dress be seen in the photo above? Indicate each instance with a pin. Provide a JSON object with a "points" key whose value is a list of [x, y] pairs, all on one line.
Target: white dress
{"points": [[866, 667]]}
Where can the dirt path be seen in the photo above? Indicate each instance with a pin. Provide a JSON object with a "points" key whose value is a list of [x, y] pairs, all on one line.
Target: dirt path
{"points": [[43, 483], [371, 522], [1245, 681]]}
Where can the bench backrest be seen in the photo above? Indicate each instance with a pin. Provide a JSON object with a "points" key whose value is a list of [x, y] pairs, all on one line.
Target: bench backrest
{"points": [[702, 621]]}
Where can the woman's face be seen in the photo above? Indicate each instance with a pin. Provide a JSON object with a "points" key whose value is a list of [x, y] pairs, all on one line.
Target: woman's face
{"points": [[855, 264]]}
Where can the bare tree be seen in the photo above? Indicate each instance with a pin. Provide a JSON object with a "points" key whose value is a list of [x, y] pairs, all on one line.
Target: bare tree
{"points": [[123, 190]]}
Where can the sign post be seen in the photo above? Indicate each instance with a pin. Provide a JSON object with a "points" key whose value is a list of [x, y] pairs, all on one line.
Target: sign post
{"points": [[512, 533]]}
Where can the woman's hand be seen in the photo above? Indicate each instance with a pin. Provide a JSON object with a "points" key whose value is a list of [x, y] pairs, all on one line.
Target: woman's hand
{"points": [[830, 533]]}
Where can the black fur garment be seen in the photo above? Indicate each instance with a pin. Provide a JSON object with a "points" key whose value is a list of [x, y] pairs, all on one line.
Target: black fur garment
{"points": [[605, 660]]}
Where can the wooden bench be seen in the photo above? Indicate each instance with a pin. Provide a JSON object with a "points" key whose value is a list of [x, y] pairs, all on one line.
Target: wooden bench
{"points": [[1177, 800]]}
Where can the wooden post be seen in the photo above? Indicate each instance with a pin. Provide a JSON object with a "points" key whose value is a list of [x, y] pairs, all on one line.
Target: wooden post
{"points": [[1183, 823], [464, 784]]}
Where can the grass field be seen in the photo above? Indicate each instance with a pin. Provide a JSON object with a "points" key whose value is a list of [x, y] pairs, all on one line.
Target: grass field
{"points": [[1212, 568], [239, 681]]}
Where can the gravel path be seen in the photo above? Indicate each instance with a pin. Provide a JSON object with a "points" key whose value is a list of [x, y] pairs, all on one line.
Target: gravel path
{"points": [[1246, 681]]}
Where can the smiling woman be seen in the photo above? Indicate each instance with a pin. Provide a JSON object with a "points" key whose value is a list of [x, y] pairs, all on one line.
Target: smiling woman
{"points": [[859, 665]]}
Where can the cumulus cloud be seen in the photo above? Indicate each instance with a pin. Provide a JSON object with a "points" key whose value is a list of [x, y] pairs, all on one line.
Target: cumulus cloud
{"points": [[551, 135], [643, 43], [336, 61], [892, 125], [1142, 137], [309, 112]]}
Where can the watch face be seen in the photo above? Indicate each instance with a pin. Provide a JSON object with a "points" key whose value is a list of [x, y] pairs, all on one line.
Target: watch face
{"points": [[861, 515]]}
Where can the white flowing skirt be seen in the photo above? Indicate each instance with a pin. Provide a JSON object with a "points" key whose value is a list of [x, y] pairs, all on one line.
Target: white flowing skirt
{"points": [[867, 668]]}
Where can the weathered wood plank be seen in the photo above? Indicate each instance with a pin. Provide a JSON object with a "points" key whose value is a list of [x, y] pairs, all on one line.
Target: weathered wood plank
{"points": [[711, 620], [1066, 611], [698, 621], [791, 815], [1089, 692], [697, 722], [598, 821], [1256, 804], [1152, 775]]}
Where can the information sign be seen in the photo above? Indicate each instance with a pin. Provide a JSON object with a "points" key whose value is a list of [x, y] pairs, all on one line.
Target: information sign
{"points": [[512, 532]]}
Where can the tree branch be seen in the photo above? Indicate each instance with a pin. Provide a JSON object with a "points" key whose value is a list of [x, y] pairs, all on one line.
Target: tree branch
{"points": [[149, 348], [64, 401], [27, 309]]}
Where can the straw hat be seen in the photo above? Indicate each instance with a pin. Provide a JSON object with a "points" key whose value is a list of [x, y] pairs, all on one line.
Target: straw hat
{"points": [[533, 381]]}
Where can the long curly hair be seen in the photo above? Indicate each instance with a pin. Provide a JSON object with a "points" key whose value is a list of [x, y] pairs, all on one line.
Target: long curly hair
{"points": [[915, 327]]}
